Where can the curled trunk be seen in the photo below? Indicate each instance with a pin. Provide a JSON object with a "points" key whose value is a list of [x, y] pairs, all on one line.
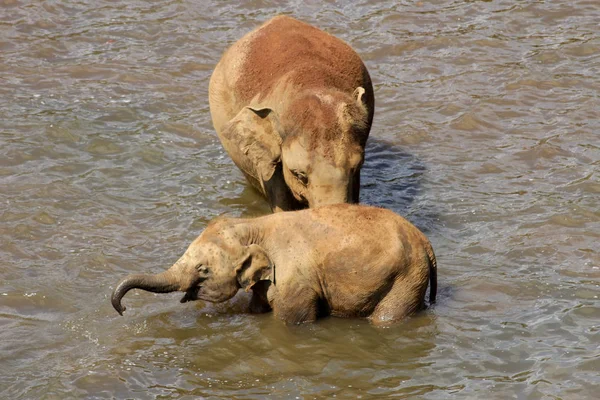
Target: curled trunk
{"points": [[159, 283]]}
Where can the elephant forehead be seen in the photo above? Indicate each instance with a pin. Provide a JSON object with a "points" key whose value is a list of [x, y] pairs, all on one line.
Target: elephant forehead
{"points": [[312, 150], [325, 115], [313, 116], [210, 245]]}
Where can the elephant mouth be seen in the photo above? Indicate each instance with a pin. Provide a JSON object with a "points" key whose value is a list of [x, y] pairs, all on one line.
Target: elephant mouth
{"points": [[190, 295]]}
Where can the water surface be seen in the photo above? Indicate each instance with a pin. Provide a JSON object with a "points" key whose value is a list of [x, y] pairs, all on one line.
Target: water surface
{"points": [[485, 137]]}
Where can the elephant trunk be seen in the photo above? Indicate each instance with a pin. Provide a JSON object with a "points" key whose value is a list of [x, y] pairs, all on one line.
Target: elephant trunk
{"points": [[329, 195], [163, 282]]}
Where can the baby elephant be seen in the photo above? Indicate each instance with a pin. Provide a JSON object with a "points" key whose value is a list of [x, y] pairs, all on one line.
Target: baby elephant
{"points": [[341, 260], [293, 107]]}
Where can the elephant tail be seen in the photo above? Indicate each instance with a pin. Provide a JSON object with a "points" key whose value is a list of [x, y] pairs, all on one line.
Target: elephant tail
{"points": [[432, 274]]}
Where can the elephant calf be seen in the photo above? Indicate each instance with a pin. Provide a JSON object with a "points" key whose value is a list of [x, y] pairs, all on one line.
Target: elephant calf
{"points": [[293, 106], [342, 260]]}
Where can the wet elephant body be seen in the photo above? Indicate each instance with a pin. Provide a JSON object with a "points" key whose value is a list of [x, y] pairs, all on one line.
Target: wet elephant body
{"points": [[343, 260]]}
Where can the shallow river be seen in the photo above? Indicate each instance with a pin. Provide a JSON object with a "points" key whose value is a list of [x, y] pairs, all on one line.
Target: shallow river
{"points": [[486, 136]]}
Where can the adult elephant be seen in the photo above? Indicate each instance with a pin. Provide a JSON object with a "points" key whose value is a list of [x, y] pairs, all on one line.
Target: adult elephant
{"points": [[293, 107]]}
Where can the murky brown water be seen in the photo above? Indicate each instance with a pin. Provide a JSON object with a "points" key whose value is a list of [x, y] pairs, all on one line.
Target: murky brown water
{"points": [[485, 136]]}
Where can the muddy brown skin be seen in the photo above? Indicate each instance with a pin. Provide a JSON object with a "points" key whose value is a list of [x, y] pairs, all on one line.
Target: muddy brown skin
{"points": [[341, 260], [293, 107]]}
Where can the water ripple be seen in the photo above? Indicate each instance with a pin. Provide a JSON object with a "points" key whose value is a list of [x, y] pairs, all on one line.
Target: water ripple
{"points": [[485, 136]]}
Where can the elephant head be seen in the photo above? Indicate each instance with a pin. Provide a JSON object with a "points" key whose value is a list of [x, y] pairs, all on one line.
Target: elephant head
{"points": [[318, 141], [213, 268], [323, 151]]}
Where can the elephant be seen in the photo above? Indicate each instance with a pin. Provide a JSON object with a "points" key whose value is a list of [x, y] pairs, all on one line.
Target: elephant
{"points": [[293, 107], [342, 260]]}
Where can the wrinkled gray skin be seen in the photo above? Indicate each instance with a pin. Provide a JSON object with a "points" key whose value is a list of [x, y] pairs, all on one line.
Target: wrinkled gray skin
{"points": [[342, 260], [293, 107]]}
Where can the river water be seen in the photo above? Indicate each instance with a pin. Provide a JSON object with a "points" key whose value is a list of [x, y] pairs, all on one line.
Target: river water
{"points": [[486, 136]]}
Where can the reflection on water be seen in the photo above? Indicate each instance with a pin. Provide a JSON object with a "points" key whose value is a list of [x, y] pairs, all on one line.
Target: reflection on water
{"points": [[485, 136]]}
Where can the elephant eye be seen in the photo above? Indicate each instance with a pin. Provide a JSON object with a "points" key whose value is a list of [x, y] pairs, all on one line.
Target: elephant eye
{"points": [[202, 269], [301, 176]]}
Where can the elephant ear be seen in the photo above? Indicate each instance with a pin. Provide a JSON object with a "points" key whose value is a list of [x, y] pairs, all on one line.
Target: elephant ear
{"points": [[254, 266], [255, 133]]}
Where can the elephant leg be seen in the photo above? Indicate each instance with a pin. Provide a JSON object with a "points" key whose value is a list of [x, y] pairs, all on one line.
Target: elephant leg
{"points": [[404, 298], [296, 305], [259, 303], [356, 188]]}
